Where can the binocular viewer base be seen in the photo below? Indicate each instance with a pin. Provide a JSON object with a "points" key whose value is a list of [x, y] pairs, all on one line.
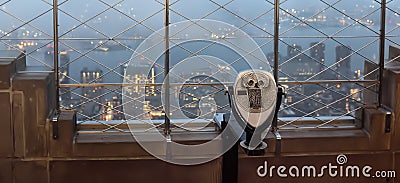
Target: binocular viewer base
{"points": [[258, 151]]}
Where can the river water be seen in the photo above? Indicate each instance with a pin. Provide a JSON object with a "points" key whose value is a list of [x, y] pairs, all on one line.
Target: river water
{"points": [[360, 39]]}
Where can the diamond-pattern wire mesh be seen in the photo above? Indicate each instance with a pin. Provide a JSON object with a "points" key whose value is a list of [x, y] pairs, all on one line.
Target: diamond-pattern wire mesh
{"points": [[392, 28], [352, 37], [27, 30], [125, 30], [90, 76], [87, 119], [310, 100], [220, 11]]}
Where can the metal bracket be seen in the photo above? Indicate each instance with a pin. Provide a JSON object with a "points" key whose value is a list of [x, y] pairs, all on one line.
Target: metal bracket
{"points": [[54, 121], [278, 143], [280, 95], [218, 120], [388, 120]]}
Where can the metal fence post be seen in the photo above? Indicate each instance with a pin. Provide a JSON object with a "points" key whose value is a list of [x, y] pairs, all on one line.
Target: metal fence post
{"points": [[167, 129], [276, 54], [55, 50], [382, 45]]}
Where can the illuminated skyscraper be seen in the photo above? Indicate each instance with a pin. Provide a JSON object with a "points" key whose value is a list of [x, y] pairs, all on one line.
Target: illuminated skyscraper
{"points": [[343, 59], [298, 65], [93, 94], [343, 69], [112, 109], [317, 52], [64, 75], [151, 107], [293, 50]]}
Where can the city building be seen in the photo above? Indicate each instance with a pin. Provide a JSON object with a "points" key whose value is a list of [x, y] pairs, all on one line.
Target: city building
{"points": [[112, 109], [343, 62], [317, 52], [294, 52], [92, 95], [151, 104]]}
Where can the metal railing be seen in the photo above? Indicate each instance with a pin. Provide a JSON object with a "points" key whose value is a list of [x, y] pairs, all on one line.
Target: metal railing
{"points": [[94, 41]]}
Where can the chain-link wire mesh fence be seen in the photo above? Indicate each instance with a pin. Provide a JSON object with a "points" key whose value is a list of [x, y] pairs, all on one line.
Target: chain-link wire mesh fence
{"points": [[328, 54]]}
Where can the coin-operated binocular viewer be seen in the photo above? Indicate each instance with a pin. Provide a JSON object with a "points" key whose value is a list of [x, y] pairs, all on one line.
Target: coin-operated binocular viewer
{"points": [[255, 99]]}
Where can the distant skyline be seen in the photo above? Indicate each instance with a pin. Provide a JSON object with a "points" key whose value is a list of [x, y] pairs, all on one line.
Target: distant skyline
{"points": [[141, 9]]}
